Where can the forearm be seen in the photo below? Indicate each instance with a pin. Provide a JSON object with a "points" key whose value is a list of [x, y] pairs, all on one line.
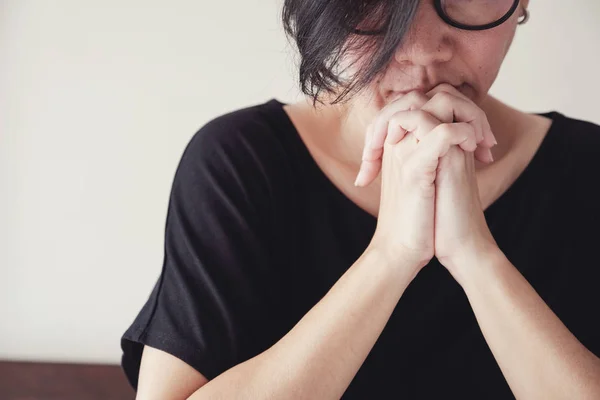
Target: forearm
{"points": [[539, 357], [320, 356]]}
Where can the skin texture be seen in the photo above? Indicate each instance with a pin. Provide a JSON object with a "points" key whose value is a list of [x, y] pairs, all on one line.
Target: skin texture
{"points": [[433, 151]]}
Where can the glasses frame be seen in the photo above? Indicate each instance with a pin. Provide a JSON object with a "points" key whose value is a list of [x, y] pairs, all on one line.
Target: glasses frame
{"points": [[442, 14], [451, 22]]}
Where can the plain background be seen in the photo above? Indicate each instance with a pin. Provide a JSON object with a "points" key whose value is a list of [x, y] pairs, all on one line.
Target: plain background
{"points": [[98, 100]]}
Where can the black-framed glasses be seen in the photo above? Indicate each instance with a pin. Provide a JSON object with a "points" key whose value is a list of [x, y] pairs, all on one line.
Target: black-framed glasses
{"points": [[471, 15]]}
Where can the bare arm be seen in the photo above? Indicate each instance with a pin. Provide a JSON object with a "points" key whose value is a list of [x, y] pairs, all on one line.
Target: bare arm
{"points": [[318, 358], [539, 357], [164, 376]]}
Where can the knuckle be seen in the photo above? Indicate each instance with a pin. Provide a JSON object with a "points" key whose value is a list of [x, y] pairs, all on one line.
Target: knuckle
{"points": [[446, 130], [469, 128], [416, 100], [422, 115], [443, 97], [395, 120]]}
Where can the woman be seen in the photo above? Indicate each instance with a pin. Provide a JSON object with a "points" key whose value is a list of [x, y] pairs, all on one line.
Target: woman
{"points": [[458, 263]]}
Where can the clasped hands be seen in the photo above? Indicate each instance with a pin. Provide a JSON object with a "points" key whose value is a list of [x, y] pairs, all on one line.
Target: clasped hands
{"points": [[425, 146]]}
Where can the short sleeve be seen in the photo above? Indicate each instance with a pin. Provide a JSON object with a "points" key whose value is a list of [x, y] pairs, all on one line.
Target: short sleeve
{"points": [[219, 294]]}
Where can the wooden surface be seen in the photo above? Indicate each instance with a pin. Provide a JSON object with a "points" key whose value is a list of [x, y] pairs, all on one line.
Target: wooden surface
{"points": [[48, 381]]}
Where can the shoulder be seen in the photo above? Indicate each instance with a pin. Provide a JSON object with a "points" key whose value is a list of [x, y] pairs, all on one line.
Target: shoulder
{"points": [[247, 135], [570, 146], [580, 134], [576, 145], [236, 167], [242, 148]]}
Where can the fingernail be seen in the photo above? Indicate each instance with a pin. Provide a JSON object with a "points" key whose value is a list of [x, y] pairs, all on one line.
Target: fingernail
{"points": [[360, 178], [495, 141], [490, 156], [368, 135], [364, 153]]}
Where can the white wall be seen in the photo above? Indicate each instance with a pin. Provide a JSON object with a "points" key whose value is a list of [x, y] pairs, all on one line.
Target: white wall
{"points": [[98, 100]]}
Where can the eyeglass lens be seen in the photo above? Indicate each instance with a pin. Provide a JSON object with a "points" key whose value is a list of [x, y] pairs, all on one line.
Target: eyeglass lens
{"points": [[476, 12]]}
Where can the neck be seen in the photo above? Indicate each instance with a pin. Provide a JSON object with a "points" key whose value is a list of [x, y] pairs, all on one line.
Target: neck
{"points": [[342, 131], [504, 120]]}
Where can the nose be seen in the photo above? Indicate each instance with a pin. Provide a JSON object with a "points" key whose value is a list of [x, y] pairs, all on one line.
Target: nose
{"points": [[428, 41]]}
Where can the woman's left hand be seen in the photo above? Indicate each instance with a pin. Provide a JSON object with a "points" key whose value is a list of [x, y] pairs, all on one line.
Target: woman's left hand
{"points": [[461, 231]]}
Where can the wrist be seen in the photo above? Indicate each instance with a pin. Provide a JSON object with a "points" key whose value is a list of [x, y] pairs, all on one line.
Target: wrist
{"points": [[473, 261], [402, 262]]}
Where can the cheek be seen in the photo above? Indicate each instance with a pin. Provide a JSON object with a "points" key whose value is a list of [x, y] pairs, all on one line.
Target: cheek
{"points": [[484, 56]]}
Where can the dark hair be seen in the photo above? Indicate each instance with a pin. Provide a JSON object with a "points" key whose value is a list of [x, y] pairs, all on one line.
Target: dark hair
{"points": [[325, 30]]}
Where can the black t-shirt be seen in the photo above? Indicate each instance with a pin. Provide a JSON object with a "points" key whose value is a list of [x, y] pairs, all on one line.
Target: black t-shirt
{"points": [[256, 234]]}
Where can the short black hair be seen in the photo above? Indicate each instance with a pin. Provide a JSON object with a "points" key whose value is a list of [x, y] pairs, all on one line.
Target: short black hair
{"points": [[325, 30]]}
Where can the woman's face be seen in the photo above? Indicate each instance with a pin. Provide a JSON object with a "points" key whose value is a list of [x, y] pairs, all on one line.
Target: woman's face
{"points": [[435, 52]]}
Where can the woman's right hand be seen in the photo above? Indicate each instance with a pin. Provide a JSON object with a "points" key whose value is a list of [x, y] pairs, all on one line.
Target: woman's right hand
{"points": [[414, 141]]}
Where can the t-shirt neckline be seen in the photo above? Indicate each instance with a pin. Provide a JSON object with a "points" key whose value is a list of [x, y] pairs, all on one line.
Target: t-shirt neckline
{"points": [[535, 164]]}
